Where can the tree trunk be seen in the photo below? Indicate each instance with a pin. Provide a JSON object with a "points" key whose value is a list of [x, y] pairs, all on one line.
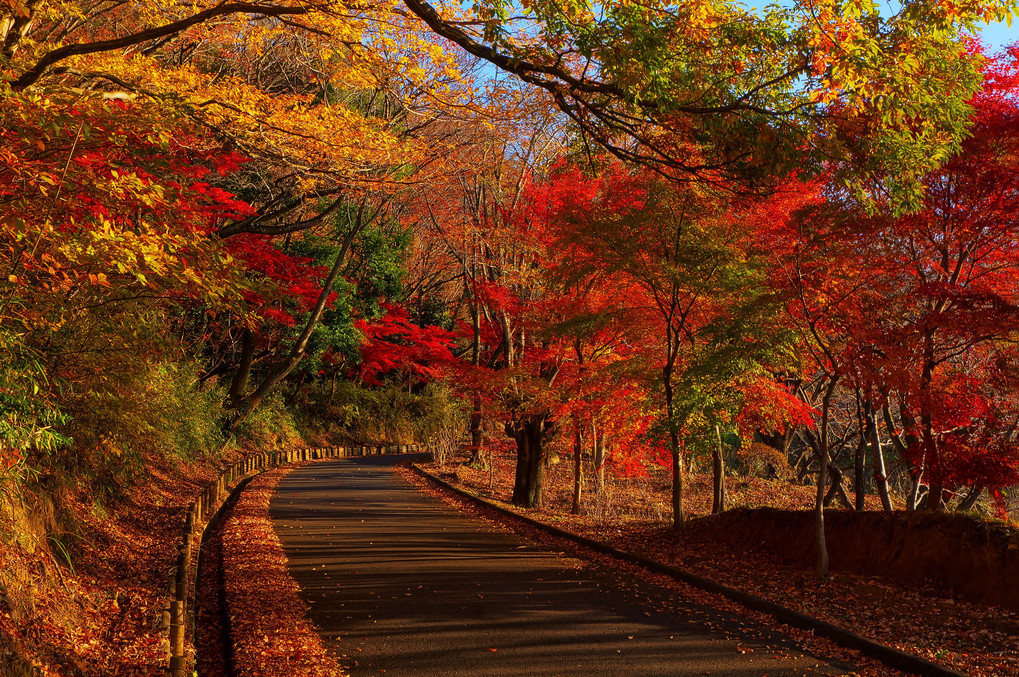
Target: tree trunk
{"points": [[476, 410], [780, 441], [678, 516], [880, 474], [860, 460], [935, 498], [936, 488], [913, 502], [836, 490], [476, 432], [598, 457], [912, 441], [822, 546], [822, 482], [240, 380], [860, 481], [530, 471], [718, 475], [971, 499], [578, 468]]}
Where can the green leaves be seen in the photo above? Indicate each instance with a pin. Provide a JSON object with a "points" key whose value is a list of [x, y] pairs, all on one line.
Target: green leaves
{"points": [[28, 413]]}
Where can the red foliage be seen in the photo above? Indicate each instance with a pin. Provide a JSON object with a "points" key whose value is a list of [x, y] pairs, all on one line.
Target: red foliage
{"points": [[916, 311], [295, 285], [769, 406], [394, 344]]}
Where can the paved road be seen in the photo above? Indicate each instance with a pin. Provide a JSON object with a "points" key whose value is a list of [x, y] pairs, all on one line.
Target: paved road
{"points": [[400, 584]]}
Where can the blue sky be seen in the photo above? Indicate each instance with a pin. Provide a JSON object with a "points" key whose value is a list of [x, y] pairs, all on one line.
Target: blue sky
{"points": [[996, 36]]}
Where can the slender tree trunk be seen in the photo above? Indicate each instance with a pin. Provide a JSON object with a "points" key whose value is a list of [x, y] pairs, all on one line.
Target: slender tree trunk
{"points": [[578, 438], [578, 468], [936, 488], [598, 458], [913, 502], [822, 482], [860, 460], [718, 468], [520, 475], [860, 469], [678, 516], [476, 410], [880, 474], [822, 547], [900, 446], [912, 441]]}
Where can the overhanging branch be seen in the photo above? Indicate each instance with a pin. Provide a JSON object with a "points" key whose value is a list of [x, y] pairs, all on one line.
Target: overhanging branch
{"points": [[53, 56]]}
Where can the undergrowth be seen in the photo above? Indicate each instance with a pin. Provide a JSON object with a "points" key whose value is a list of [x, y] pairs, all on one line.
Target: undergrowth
{"points": [[383, 415]]}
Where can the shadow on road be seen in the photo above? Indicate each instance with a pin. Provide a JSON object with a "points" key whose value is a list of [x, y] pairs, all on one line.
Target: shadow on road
{"points": [[398, 583]]}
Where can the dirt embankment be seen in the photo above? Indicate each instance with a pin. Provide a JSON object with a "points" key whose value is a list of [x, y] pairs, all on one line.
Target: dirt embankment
{"points": [[83, 582], [972, 559], [29, 579]]}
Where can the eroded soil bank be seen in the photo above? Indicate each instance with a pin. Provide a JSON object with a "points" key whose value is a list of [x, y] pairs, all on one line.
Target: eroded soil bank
{"points": [[975, 560]]}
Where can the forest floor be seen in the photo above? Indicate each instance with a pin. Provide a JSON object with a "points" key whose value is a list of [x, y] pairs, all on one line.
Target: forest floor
{"points": [[630, 514], [84, 582]]}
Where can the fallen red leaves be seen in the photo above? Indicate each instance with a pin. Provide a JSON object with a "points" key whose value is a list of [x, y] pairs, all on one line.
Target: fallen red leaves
{"points": [[270, 634]]}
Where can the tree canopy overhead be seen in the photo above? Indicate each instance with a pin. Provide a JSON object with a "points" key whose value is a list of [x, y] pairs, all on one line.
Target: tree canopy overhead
{"points": [[713, 89], [694, 89]]}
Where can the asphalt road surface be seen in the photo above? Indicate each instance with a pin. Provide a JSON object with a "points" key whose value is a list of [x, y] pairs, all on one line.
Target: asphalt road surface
{"points": [[400, 584]]}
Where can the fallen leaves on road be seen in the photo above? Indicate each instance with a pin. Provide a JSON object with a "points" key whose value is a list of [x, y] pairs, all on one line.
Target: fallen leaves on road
{"points": [[270, 633]]}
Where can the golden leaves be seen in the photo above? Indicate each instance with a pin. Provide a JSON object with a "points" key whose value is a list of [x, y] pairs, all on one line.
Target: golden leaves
{"points": [[313, 120]]}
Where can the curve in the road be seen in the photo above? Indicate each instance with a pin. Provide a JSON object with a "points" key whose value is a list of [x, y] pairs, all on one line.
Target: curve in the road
{"points": [[401, 584]]}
